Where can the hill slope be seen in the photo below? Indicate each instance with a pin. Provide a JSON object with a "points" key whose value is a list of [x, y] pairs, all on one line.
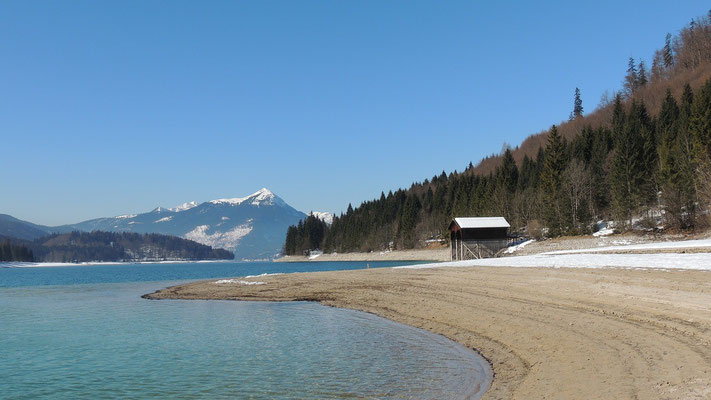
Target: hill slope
{"points": [[643, 159]]}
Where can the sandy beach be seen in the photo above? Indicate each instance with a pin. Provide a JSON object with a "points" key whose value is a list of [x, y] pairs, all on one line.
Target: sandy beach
{"points": [[553, 333]]}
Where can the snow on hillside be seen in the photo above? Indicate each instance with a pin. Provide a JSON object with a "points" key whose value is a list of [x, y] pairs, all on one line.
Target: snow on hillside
{"points": [[262, 197], [220, 240], [184, 206], [324, 216]]}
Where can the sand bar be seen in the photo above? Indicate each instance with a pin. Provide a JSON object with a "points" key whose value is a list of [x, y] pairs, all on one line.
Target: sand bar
{"points": [[553, 333]]}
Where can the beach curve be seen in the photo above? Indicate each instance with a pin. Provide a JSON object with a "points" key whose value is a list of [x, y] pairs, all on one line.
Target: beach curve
{"points": [[548, 332]]}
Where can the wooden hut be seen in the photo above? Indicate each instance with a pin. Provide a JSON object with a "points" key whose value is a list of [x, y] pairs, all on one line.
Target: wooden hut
{"points": [[477, 237]]}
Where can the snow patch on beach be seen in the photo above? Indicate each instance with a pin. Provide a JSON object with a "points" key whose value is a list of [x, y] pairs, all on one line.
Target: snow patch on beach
{"points": [[264, 274], [604, 232], [238, 281], [512, 249], [315, 254], [596, 258], [688, 261], [625, 245]]}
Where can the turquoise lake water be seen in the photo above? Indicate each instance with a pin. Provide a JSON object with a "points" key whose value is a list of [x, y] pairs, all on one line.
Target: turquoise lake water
{"points": [[85, 332]]}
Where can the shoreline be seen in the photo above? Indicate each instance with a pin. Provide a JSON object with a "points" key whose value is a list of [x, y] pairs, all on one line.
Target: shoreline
{"points": [[32, 264], [548, 332], [395, 255]]}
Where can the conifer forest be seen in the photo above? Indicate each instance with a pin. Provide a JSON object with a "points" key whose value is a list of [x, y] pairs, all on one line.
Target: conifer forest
{"points": [[641, 158]]}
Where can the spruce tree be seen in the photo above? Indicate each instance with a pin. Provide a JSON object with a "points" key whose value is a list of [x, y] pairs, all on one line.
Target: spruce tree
{"points": [[618, 117], [667, 132], [641, 74], [631, 79], [700, 123], [628, 174], [508, 172], [668, 52], [554, 164], [676, 173], [650, 156], [577, 104]]}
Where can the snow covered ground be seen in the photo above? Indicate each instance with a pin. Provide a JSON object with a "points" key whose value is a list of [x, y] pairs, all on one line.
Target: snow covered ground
{"points": [[596, 258], [515, 248], [681, 244]]}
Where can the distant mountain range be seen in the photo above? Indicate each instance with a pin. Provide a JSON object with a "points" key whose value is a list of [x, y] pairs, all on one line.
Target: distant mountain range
{"points": [[253, 227]]}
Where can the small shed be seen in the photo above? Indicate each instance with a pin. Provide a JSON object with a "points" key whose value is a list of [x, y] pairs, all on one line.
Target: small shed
{"points": [[477, 237]]}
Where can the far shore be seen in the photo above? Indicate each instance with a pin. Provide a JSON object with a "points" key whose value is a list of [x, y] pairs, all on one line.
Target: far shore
{"points": [[36, 264], [442, 254]]}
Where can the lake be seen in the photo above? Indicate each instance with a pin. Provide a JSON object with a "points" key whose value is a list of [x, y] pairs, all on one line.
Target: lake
{"points": [[85, 332]]}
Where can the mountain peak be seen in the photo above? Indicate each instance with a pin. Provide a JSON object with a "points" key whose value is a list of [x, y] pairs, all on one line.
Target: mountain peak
{"points": [[185, 206], [324, 216], [262, 197]]}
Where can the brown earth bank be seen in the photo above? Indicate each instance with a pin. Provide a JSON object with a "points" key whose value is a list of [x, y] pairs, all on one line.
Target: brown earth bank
{"points": [[549, 333]]}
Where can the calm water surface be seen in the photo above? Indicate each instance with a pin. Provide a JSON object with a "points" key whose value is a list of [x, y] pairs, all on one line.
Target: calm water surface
{"points": [[84, 332]]}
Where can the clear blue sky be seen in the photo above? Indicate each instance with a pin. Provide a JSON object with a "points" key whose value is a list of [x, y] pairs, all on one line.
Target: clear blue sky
{"points": [[115, 107]]}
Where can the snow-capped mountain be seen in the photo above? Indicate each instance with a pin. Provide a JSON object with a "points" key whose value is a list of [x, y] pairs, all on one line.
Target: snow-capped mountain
{"points": [[253, 227], [185, 206], [324, 216]]}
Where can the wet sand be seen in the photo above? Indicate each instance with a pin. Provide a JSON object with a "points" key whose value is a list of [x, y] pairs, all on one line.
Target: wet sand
{"points": [[548, 333]]}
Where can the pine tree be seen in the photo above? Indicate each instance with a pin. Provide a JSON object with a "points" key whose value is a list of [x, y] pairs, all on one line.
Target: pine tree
{"points": [[508, 172], [700, 123], [668, 52], [554, 164], [676, 174], [577, 104], [641, 122], [627, 175], [631, 79], [600, 188], [656, 74], [641, 74], [618, 117], [667, 132]]}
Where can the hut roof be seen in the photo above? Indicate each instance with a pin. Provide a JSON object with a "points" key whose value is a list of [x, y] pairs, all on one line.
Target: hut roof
{"points": [[481, 222]]}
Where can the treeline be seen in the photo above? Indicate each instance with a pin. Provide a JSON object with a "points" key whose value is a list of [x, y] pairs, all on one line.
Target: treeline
{"points": [[15, 252], [634, 167], [684, 58], [116, 246]]}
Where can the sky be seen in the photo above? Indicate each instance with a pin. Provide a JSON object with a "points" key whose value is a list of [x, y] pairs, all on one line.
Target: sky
{"points": [[108, 108]]}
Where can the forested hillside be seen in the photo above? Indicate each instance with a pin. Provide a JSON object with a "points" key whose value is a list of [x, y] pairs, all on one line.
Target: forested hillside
{"points": [[110, 246], [10, 251], [642, 157]]}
